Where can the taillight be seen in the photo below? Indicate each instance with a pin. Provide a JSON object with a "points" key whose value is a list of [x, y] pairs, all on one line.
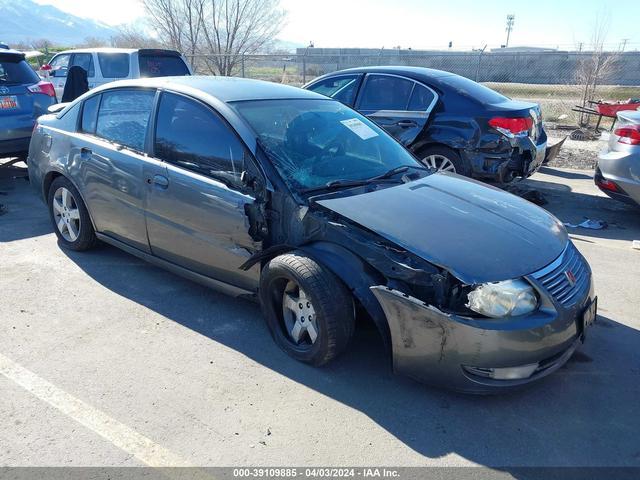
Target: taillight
{"points": [[605, 184], [513, 126], [43, 87], [629, 134]]}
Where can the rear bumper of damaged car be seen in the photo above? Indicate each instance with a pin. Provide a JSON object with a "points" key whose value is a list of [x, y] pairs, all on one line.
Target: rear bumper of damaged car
{"points": [[521, 159], [479, 355]]}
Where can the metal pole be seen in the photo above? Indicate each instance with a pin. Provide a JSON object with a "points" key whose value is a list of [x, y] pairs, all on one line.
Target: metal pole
{"points": [[304, 69], [479, 60]]}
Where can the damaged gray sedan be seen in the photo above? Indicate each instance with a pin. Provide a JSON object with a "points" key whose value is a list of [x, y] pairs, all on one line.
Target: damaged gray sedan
{"points": [[278, 193]]}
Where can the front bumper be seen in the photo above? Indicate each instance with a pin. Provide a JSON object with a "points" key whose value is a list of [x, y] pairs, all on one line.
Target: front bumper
{"points": [[437, 348]]}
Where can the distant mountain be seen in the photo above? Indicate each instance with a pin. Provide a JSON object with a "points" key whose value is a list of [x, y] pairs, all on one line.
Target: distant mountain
{"points": [[25, 20]]}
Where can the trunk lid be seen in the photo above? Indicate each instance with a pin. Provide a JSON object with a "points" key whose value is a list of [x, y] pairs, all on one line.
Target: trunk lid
{"points": [[478, 233]]}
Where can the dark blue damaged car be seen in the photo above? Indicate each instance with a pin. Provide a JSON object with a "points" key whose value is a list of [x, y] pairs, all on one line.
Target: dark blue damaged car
{"points": [[447, 121], [280, 194]]}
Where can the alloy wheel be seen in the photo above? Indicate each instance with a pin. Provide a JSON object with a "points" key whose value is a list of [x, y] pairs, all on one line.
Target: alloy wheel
{"points": [[439, 163], [299, 315], [66, 214]]}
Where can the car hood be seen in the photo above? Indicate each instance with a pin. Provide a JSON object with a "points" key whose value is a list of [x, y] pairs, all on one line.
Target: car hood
{"points": [[477, 232]]}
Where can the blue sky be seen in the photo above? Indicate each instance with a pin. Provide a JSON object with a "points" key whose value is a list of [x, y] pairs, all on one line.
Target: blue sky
{"points": [[423, 23]]}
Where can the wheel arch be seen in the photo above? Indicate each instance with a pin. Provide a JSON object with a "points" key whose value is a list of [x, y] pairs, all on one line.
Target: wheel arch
{"points": [[357, 275], [48, 179]]}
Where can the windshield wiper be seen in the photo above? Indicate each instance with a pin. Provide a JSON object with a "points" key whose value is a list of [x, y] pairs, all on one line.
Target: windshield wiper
{"points": [[338, 184]]}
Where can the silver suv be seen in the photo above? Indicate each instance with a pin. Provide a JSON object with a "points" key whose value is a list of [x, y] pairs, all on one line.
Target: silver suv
{"points": [[104, 65]]}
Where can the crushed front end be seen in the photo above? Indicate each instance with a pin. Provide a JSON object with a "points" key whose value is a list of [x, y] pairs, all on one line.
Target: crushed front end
{"points": [[486, 355]]}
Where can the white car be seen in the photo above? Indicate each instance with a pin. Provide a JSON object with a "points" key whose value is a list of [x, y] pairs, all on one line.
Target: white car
{"points": [[105, 65]]}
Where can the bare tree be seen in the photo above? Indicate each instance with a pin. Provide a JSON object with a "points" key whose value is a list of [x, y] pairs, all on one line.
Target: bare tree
{"points": [[595, 67], [130, 37], [220, 32]]}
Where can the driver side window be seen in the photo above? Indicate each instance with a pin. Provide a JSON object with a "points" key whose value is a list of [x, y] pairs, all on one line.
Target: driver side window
{"points": [[191, 136], [60, 65]]}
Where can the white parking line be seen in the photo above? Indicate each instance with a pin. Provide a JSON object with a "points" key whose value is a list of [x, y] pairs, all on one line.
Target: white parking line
{"points": [[107, 427]]}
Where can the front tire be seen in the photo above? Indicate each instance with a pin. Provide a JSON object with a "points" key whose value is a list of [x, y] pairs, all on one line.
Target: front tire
{"points": [[309, 311], [69, 216]]}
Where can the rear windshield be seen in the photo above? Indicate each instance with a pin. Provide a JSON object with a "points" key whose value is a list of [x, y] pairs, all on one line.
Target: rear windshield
{"points": [[162, 66], [14, 71], [473, 90], [114, 65]]}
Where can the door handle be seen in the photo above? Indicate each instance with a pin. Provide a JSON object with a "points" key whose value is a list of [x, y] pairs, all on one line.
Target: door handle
{"points": [[407, 123], [159, 180]]}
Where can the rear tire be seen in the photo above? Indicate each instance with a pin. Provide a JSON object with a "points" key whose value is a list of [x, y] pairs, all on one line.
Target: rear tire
{"points": [[69, 216], [309, 311], [444, 159]]}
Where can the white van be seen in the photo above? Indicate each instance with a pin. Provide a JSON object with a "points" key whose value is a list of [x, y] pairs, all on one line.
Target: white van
{"points": [[105, 65]]}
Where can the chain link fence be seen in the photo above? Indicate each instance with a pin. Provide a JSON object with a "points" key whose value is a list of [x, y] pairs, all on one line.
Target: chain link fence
{"points": [[551, 79]]}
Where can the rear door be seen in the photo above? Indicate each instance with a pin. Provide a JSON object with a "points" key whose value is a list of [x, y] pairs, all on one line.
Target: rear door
{"points": [[16, 102], [111, 159], [399, 105], [196, 212]]}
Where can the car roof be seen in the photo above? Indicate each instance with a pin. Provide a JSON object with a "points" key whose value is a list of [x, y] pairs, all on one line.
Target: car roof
{"points": [[11, 52], [225, 89], [100, 50], [399, 70]]}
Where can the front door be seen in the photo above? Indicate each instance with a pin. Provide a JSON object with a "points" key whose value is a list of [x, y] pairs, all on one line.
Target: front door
{"points": [[399, 105], [195, 212]]}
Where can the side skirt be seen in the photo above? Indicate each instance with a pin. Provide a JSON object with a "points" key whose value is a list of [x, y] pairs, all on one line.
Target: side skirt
{"points": [[178, 270]]}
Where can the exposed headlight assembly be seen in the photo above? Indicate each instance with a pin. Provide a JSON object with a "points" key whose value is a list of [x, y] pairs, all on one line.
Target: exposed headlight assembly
{"points": [[503, 299]]}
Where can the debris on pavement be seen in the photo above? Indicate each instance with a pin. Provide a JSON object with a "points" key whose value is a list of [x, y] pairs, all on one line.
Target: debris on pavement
{"points": [[3, 209], [590, 224], [533, 196]]}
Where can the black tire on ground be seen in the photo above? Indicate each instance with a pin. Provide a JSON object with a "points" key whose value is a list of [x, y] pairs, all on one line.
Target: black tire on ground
{"points": [[462, 166], [86, 237], [331, 300]]}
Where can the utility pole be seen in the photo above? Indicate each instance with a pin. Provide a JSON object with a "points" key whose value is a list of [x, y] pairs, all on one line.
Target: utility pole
{"points": [[510, 20], [624, 44]]}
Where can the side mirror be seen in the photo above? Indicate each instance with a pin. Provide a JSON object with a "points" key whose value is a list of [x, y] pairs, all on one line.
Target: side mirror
{"points": [[247, 179]]}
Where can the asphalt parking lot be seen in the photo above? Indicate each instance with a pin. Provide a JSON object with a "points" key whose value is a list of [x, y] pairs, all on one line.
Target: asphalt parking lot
{"points": [[108, 361]]}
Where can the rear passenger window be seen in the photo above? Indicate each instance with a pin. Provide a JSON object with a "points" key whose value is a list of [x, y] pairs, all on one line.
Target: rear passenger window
{"points": [[192, 136], [114, 65], [421, 99], [90, 114], [382, 92], [124, 115]]}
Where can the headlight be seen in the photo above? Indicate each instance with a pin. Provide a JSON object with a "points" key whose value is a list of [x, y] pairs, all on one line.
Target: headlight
{"points": [[503, 299]]}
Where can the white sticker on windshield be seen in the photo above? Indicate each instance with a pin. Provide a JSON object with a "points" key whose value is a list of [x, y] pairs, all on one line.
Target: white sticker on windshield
{"points": [[361, 129]]}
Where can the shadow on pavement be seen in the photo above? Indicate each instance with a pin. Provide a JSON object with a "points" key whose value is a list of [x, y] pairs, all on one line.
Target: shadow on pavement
{"points": [[573, 207], [590, 405], [22, 215]]}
